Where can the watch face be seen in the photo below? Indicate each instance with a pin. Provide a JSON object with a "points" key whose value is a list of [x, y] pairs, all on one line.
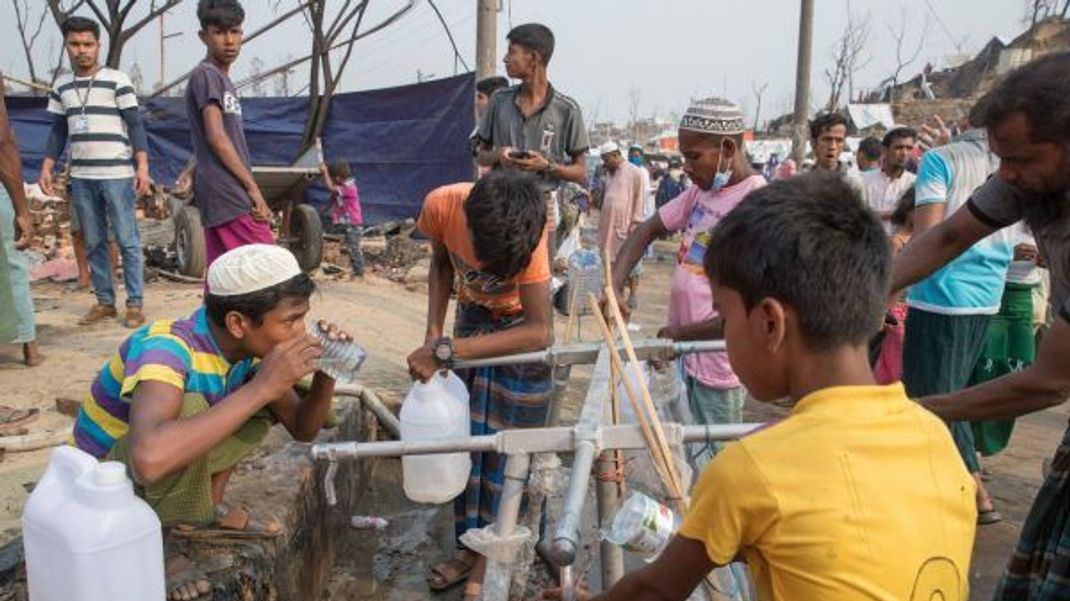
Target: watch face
{"points": [[442, 351]]}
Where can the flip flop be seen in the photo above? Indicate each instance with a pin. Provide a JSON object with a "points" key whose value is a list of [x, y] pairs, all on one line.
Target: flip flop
{"points": [[12, 419], [232, 523], [985, 518], [450, 573]]}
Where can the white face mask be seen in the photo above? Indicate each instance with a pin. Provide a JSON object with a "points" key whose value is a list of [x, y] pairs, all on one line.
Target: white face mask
{"points": [[721, 178]]}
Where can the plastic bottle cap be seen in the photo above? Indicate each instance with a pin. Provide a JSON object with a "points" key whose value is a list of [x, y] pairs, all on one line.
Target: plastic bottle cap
{"points": [[109, 473]]}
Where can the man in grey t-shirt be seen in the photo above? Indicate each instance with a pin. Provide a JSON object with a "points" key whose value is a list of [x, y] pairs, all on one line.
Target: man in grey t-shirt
{"points": [[1028, 120], [532, 126]]}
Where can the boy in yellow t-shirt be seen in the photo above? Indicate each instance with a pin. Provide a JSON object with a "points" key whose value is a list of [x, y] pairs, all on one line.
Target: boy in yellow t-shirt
{"points": [[859, 493]]}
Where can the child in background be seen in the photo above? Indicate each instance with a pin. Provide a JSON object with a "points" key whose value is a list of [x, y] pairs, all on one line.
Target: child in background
{"points": [[346, 214], [889, 365]]}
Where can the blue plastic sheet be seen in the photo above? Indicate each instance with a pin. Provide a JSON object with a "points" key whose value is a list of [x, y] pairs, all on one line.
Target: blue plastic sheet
{"points": [[400, 142]]}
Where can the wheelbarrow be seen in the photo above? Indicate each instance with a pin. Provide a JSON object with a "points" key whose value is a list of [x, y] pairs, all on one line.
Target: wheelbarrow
{"points": [[299, 227]]}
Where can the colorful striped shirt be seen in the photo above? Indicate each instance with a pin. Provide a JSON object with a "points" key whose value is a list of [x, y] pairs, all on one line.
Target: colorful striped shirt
{"points": [[180, 352]]}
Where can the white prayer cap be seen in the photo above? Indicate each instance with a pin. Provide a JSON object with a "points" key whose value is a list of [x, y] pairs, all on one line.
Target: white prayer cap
{"points": [[251, 268], [713, 116], [608, 148]]}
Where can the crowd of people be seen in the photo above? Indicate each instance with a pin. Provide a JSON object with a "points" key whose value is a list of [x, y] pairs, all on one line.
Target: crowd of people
{"points": [[892, 305]]}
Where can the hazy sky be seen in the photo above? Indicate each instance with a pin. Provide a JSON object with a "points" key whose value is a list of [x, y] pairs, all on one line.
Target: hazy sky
{"points": [[670, 50]]}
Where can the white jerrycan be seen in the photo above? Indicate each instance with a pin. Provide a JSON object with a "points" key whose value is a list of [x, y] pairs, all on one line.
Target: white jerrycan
{"points": [[88, 537], [436, 410]]}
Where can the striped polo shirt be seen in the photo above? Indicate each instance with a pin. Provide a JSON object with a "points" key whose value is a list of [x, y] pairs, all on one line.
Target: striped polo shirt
{"points": [[180, 352], [100, 149]]}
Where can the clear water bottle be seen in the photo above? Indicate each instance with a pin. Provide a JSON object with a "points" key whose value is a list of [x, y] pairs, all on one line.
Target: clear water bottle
{"points": [[341, 359], [585, 276]]}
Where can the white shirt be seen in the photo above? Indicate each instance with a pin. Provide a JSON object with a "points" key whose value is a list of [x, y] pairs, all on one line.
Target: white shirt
{"points": [[883, 193]]}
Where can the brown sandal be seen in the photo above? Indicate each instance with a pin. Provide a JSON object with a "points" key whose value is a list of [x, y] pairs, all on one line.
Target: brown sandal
{"points": [[451, 572], [12, 419], [230, 523]]}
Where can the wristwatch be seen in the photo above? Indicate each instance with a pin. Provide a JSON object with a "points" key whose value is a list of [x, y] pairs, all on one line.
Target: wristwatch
{"points": [[550, 166], [443, 350]]}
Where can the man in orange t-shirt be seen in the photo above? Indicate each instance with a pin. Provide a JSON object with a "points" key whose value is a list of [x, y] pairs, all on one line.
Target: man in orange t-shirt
{"points": [[490, 239]]}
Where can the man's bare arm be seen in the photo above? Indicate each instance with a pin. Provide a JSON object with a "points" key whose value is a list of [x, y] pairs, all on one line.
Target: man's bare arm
{"points": [[1044, 384], [936, 247]]}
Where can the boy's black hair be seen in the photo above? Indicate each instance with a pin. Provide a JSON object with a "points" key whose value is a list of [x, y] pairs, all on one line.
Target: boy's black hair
{"points": [[870, 148], [340, 170], [1040, 89], [536, 37], [898, 133], [255, 305], [812, 244], [825, 121], [489, 85], [903, 208], [224, 14], [506, 216], [80, 25]]}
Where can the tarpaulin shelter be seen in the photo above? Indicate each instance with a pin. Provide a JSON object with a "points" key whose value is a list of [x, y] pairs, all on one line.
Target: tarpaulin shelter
{"points": [[400, 142]]}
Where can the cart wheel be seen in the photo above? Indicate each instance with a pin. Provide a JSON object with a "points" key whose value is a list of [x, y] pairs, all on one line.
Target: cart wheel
{"points": [[174, 206], [306, 231], [189, 242]]}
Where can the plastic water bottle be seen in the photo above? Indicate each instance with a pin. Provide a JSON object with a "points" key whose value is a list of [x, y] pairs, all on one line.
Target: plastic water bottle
{"points": [[642, 525], [437, 410], [341, 359], [88, 537], [585, 276]]}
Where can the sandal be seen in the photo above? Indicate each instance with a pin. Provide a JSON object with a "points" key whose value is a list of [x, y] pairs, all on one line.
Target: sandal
{"points": [[12, 419], [990, 516], [452, 572], [233, 523]]}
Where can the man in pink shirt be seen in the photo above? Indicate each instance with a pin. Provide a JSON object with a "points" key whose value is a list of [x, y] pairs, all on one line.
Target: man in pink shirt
{"points": [[622, 207], [711, 142]]}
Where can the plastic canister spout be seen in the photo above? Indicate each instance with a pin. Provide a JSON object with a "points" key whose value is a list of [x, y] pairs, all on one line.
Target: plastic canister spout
{"points": [[106, 485]]}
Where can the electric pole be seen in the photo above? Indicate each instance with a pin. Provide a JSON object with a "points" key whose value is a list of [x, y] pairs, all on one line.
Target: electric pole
{"points": [[486, 38], [164, 36], [802, 82]]}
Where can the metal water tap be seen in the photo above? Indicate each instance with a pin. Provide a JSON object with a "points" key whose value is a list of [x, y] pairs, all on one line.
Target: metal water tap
{"points": [[329, 476]]}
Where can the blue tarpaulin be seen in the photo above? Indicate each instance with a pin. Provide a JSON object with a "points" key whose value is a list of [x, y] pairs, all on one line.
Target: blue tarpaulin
{"points": [[400, 142]]}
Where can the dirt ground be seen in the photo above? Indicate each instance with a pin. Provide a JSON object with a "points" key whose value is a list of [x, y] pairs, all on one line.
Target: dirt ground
{"points": [[388, 318]]}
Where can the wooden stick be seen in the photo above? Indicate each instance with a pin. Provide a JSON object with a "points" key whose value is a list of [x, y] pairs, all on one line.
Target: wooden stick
{"points": [[572, 310], [618, 455], [611, 302], [660, 461], [659, 433]]}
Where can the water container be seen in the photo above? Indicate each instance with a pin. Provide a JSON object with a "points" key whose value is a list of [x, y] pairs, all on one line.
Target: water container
{"points": [[88, 537], [436, 410], [340, 360], [585, 276]]}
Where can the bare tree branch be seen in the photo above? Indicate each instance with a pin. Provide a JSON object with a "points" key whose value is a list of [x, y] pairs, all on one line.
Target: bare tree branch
{"points": [[28, 38], [758, 92], [903, 57], [847, 57], [268, 27]]}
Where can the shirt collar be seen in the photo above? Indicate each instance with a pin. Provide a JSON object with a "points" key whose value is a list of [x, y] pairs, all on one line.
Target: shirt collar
{"points": [[549, 98], [838, 401]]}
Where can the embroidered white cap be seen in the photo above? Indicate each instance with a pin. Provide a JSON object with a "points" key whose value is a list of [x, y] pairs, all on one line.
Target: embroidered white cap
{"points": [[251, 268], [713, 116]]}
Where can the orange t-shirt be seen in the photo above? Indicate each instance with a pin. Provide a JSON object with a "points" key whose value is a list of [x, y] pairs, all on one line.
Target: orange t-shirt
{"points": [[442, 219]]}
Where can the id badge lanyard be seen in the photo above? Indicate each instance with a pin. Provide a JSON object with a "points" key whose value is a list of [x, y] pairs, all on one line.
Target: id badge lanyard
{"points": [[81, 122]]}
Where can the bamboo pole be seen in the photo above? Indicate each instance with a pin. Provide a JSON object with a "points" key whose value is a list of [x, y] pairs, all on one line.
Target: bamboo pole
{"points": [[661, 461]]}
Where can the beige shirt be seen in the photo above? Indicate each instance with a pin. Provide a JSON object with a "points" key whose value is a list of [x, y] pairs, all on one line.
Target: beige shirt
{"points": [[622, 207]]}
